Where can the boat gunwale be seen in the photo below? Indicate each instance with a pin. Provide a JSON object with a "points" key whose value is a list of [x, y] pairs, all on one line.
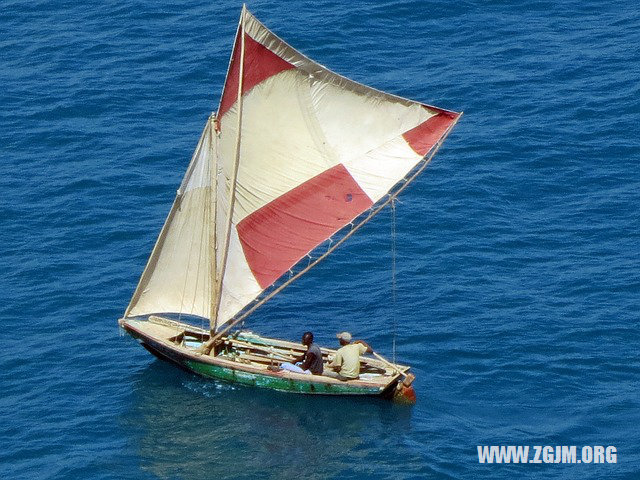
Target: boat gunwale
{"points": [[268, 341]]}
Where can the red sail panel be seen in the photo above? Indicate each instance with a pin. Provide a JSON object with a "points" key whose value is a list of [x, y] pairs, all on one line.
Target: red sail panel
{"points": [[275, 237], [260, 63], [425, 135]]}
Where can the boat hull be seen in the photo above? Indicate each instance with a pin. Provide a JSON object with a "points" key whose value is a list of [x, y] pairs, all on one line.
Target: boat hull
{"points": [[212, 368]]}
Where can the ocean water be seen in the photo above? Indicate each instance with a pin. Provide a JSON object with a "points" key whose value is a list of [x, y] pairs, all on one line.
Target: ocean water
{"points": [[518, 249]]}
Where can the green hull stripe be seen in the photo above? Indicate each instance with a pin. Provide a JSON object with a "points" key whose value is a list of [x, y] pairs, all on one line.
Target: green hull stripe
{"points": [[276, 383]]}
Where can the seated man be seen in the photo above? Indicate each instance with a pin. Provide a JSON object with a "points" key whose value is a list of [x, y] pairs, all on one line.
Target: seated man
{"points": [[346, 364], [310, 362]]}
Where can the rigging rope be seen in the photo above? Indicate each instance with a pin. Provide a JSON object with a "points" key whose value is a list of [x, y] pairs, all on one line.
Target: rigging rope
{"points": [[393, 277]]}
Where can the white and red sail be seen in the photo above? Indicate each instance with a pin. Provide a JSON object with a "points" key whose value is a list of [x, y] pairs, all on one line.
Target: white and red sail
{"points": [[316, 151]]}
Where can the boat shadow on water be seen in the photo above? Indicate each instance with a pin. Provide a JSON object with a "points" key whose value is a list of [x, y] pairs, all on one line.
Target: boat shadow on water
{"points": [[189, 427]]}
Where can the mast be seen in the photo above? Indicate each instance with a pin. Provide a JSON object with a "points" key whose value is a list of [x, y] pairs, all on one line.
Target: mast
{"points": [[215, 307], [213, 209]]}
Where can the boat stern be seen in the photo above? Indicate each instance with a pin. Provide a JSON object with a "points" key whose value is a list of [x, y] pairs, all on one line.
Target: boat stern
{"points": [[404, 393]]}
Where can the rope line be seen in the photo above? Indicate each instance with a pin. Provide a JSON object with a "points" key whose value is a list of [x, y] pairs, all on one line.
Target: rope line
{"points": [[393, 278]]}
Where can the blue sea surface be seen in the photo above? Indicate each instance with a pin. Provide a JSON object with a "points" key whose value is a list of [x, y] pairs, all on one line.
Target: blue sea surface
{"points": [[518, 249]]}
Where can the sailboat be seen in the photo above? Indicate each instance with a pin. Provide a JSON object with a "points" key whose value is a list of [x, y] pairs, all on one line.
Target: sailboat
{"points": [[296, 159]]}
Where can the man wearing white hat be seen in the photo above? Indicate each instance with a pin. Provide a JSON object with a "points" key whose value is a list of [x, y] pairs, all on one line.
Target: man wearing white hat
{"points": [[346, 364]]}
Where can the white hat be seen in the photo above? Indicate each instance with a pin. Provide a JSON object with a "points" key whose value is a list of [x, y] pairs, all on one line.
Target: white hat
{"points": [[346, 336]]}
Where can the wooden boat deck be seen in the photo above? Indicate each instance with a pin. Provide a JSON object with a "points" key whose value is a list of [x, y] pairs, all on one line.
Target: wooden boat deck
{"points": [[252, 359]]}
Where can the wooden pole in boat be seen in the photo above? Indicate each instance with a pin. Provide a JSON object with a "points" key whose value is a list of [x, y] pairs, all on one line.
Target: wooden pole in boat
{"points": [[232, 194], [207, 347], [404, 392], [408, 377]]}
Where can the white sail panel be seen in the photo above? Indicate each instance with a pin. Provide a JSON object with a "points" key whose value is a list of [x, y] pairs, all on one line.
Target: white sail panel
{"points": [[279, 148], [177, 278], [240, 286], [353, 124], [379, 170]]}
